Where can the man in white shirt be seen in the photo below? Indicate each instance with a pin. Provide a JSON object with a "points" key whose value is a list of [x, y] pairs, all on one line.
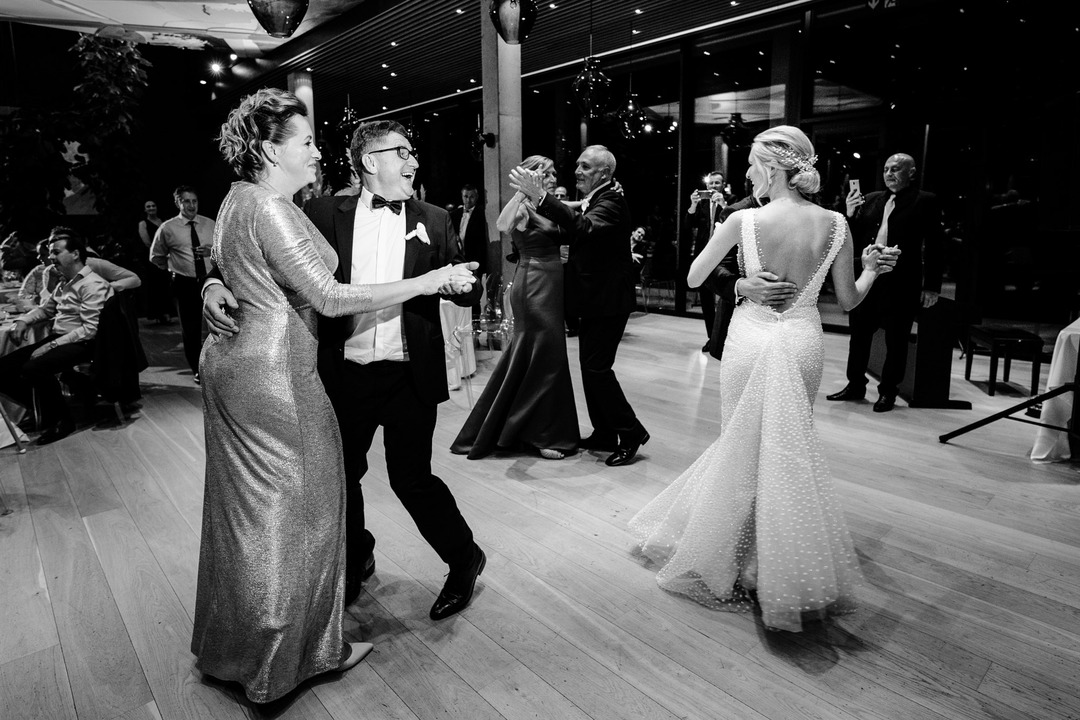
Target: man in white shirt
{"points": [[182, 246], [74, 309]]}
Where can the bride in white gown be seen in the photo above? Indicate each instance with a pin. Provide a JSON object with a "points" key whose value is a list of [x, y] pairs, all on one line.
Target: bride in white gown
{"points": [[757, 512]]}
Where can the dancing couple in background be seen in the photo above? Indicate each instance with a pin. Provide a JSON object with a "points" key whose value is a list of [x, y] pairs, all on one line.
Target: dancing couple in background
{"points": [[756, 517]]}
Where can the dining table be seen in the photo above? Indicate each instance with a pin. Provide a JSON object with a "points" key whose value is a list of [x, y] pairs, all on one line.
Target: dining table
{"points": [[1052, 445], [9, 313]]}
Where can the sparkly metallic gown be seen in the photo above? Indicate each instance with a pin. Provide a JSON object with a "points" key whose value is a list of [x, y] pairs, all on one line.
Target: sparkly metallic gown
{"points": [[268, 612], [529, 400], [758, 510]]}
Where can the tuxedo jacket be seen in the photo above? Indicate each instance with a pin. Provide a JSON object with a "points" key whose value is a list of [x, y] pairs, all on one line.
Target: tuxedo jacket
{"points": [[599, 252], [700, 226], [334, 217], [915, 226], [475, 241]]}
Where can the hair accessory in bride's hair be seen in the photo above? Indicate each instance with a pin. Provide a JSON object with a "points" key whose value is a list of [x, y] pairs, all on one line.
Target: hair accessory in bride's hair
{"points": [[803, 164]]}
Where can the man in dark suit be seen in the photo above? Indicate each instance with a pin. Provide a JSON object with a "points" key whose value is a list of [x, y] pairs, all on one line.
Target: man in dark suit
{"points": [[901, 216], [704, 212], [386, 368], [600, 254], [472, 230]]}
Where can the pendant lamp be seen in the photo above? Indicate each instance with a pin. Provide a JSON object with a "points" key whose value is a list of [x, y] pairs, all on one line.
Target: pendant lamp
{"points": [[592, 88], [513, 19], [279, 18]]}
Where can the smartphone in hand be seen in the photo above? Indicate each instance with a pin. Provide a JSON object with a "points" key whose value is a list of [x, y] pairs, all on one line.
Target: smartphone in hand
{"points": [[855, 187]]}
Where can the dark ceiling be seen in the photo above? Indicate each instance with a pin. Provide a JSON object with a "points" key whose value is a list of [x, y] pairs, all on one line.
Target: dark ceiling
{"points": [[437, 51]]}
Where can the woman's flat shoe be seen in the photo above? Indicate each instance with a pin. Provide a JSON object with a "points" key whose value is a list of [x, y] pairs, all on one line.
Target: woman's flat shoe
{"points": [[357, 652], [552, 454]]}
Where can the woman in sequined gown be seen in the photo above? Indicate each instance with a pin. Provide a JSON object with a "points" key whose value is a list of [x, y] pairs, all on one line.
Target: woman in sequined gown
{"points": [[529, 400], [756, 515], [268, 610]]}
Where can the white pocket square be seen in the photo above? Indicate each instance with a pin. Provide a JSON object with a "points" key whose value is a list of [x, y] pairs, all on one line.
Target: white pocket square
{"points": [[421, 233]]}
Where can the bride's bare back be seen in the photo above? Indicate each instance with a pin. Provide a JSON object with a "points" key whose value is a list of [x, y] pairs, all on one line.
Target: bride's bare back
{"points": [[792, 239]]}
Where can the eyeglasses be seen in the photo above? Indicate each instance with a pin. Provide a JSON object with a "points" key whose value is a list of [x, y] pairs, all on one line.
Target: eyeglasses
{"points": [[402, 152]]}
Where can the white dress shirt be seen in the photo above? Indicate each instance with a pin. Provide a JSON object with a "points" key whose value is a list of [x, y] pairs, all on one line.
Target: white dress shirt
{"points": [[378, 256]]}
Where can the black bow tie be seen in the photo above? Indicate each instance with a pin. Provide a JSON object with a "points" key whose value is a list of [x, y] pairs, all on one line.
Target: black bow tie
{"points": [[378, 201]]}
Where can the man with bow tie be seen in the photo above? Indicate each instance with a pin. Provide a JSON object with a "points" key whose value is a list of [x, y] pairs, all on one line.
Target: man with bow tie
{"points": [[905, 217], [387, 368], [604, 273]]}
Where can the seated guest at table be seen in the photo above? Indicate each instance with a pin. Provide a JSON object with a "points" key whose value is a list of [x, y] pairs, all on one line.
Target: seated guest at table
{"points": [[34, 290], [74, 308], [529, 401]]}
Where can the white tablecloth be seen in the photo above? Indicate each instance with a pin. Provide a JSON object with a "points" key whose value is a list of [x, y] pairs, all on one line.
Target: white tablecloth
{"points": [[1053, 445], [15, 412], [458, 338]]}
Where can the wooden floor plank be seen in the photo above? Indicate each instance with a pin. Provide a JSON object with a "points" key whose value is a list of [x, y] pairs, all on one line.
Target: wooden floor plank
{"points": [[35, 687], [105, 676], [160, 628], [28, 625]]}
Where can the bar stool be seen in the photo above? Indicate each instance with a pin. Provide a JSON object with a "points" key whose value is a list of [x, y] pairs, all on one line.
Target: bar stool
{"points": [[1004, 343]]}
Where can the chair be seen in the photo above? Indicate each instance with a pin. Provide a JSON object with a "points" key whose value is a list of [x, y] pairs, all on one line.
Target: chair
{"points": [[118, 356], [1004, 342]]}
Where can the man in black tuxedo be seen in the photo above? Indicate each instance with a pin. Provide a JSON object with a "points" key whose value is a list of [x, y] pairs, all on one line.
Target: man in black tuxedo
{"points": [[472, 230], [600, 255], [386, 368], [701, 217], [901, 216]]}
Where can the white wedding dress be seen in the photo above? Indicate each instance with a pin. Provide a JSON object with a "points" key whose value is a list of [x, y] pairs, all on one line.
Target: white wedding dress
{"points": [[758, 510]]}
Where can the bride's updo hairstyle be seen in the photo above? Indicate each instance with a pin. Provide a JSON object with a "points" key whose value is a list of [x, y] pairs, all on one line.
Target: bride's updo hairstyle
{"points": [[263, 115], [786, 149]]}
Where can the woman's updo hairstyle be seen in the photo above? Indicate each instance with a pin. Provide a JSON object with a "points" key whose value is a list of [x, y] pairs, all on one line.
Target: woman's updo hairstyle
{"points": [[537, 162], [261, 116], [787, 149]]}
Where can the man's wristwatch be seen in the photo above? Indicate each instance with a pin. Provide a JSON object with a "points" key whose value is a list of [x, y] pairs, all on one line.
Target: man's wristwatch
{"points": [[53, 345]]}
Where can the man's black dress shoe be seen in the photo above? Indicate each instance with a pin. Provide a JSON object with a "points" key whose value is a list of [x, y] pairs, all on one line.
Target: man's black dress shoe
{"points": [[848, 393], [57, 432], [705, 347], [627, 450], [458, 590], [599, 442], [353, 586], [885, 403]]}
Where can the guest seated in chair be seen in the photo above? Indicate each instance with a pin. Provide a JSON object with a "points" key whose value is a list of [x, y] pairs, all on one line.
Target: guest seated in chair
{"points": [[74, 309]]}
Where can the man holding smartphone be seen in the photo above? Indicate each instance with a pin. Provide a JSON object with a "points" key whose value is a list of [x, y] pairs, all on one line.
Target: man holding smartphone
{"points": [[904, 217], [701, 217]]}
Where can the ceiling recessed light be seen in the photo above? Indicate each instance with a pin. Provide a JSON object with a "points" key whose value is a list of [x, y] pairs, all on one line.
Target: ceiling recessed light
{"points": [[459, 11], [638, 11], [393, 74], [309, 69], [708, 53], [393, 44], [202, 82], [233, 56], [385, 65], [385, 88], [553, 6], [636, 32], [215, 67], [472, 80]]}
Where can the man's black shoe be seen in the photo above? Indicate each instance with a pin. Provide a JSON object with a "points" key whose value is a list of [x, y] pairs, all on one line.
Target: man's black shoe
{"points": [[458, 590], [353, 583], [627, 450], [885, 403], [599, 442], [57, 432], [705, 347], [848, 393]]}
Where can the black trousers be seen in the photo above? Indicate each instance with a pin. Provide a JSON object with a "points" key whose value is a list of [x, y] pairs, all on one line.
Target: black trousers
{"points": [[708, 308], [21, 376], [864, 322], [598, 341], [383, 394], [186, 291]]}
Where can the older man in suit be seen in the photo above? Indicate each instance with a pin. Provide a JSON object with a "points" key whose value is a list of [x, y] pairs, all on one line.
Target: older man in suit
{"points": [[472, 230], [599, 236], [905, 217], [386, 368]]}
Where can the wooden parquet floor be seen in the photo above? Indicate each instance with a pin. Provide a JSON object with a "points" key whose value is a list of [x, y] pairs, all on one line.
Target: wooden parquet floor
{"points": [[971, 551]]}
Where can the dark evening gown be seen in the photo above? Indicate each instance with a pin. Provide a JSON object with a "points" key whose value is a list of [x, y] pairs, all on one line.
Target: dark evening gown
{"points": [[271, 592], [529, 400]]}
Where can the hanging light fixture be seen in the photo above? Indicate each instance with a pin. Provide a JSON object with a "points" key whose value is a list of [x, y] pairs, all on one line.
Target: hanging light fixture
{"points": [[735, 132], [279, 18], [592, 87], [632, 117], [513, 19]]}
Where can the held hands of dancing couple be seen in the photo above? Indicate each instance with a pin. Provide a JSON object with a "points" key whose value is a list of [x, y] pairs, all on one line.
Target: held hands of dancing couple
{"points": [[218, 300]]}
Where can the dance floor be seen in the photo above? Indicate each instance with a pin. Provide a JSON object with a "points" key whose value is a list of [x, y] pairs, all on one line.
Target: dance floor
{"points": [[972, 553]]}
